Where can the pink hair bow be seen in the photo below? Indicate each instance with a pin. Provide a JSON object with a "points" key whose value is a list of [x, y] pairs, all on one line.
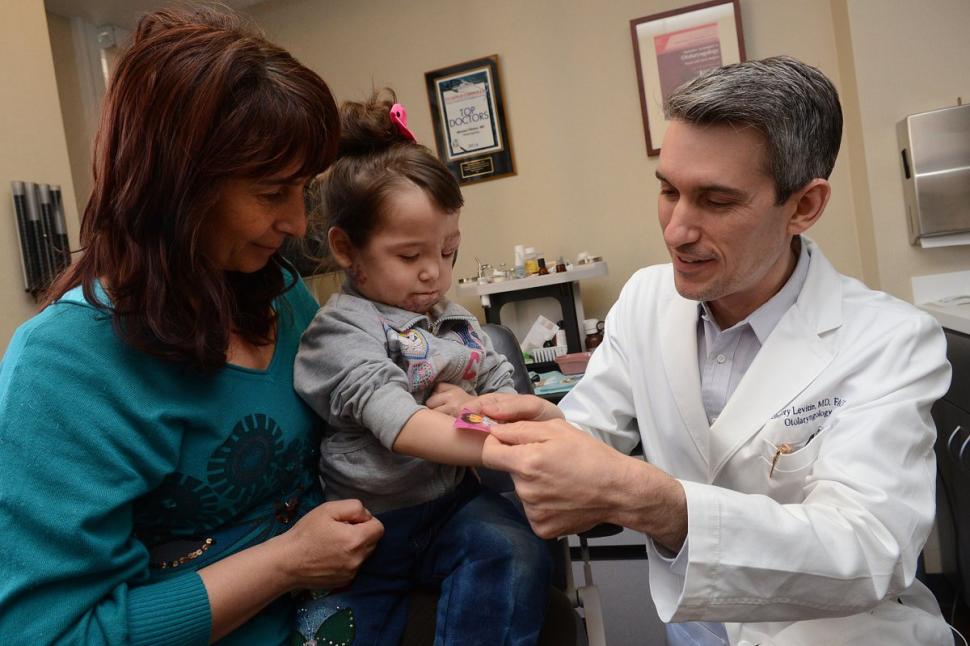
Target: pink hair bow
{"points": [[399, 117]]}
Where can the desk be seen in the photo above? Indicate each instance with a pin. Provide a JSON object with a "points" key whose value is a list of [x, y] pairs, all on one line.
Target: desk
{"points": [[553, 385], [561, 286]]}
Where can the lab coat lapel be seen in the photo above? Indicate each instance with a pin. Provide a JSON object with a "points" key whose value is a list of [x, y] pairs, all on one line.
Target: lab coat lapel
{"points": [[678, 329], [791, 358]]}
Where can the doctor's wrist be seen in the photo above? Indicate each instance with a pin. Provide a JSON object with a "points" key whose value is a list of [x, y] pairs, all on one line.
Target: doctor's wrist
{"points": [[652, 502]]}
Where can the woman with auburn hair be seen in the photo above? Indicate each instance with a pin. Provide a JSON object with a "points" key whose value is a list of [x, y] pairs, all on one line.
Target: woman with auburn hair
{"points": [[155, 463]]}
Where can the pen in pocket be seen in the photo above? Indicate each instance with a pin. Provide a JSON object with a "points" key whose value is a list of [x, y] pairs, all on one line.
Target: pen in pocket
{"points": [[783, 449], [786, 447]]}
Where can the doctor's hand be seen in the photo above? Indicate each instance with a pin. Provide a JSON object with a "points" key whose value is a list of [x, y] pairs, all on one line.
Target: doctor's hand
{"points": [[569, 481], [511, 407], [448, 399]]}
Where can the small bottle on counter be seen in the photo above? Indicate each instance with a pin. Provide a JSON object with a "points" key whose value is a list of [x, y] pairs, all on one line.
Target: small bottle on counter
{"points": [[519, 264], [531, 263], [543, 270], [560, 265], [484, 274]]}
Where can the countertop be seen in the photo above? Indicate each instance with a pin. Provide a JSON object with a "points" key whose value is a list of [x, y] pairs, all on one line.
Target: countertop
{"points": [[577, 273]]}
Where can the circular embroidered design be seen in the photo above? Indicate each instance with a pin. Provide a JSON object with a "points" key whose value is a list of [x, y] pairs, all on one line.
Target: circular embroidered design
{"points": [[180, 502], [240, 468], [298, 458]]}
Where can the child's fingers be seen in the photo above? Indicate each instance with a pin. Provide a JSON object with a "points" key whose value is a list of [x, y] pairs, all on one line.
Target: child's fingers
{"points": [[436, 401]]}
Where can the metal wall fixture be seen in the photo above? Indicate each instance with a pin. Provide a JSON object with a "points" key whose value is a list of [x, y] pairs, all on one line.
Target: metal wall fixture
{"points": [[935, 154], [42, 229]]}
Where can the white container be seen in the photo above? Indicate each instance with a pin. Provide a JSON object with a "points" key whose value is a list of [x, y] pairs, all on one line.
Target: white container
{"points": [[519, 253], [542, 355]]}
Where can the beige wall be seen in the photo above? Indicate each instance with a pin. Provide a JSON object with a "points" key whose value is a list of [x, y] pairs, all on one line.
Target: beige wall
{"points": [[909, 57], [34, 147], [584, 180], [79, 126], [853, 149]]}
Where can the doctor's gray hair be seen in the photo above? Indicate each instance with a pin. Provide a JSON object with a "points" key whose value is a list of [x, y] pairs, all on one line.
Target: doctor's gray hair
{"points": [[793, 105]]}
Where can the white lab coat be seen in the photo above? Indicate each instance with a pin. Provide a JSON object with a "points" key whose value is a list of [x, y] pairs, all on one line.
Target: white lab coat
{"points": [[830, 539]]}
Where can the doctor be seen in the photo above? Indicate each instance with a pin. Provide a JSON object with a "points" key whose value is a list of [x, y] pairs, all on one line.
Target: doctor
{"points": [[784, 409]]}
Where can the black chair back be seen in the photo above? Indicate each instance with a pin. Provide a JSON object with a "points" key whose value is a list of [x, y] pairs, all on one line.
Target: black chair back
{"points": [[952, 417], [505, 343]]}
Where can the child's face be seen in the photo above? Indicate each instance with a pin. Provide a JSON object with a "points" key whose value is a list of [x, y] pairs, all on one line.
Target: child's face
{"points": [[408, 260]]}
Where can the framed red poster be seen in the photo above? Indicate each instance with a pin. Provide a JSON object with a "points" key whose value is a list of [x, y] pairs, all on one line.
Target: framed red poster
{"points": [[674, 47]]}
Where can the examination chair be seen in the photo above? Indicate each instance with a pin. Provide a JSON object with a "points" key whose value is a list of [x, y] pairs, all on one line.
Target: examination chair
{"points": [[952, 417], [563, 626]]}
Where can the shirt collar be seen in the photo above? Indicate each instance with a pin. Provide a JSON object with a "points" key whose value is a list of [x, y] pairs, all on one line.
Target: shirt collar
{"points": [[764, 319]]}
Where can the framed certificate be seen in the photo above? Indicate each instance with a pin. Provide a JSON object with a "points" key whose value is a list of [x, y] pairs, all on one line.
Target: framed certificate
{"points": [[674, 47], [469, 120]]}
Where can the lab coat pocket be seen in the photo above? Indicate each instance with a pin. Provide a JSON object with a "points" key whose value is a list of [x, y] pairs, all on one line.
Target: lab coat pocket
{"points": [[789, 457], [786, 468]]}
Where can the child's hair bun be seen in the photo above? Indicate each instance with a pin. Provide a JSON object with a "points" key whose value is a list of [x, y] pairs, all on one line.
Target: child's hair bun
{"points": [[366, 128]]}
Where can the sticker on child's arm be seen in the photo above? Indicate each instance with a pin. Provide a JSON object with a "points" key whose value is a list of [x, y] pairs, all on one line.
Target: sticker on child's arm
{"points": [[475, 421]]}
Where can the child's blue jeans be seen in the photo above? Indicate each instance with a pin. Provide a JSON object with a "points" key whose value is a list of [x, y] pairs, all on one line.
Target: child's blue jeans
{"points": [[475, 546]]}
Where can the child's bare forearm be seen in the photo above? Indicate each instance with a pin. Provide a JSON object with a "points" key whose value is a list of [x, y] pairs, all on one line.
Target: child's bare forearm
{"points": [[431, 435]]}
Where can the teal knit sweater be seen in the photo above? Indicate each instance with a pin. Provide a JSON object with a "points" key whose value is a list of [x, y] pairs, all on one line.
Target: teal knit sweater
{"points": [[116, 467]]}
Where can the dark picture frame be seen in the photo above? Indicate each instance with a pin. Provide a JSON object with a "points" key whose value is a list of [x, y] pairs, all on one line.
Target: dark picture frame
{"points": [[468, 113], [673, 47]]}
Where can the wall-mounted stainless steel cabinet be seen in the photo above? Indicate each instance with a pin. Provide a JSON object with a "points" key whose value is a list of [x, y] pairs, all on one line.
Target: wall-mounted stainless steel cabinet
{"points": [[935, 154]]}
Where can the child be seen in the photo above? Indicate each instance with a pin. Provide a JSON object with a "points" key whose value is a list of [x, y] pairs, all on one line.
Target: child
{"points": [[368, 364]]}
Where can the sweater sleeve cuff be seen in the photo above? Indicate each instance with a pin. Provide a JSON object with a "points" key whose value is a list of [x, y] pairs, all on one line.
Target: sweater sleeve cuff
{"points": [[387, 411], [173, 611]]}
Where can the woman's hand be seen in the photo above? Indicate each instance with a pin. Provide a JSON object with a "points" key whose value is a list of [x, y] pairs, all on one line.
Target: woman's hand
{"points": [[326, 547], [322, 550], [448, 399]]}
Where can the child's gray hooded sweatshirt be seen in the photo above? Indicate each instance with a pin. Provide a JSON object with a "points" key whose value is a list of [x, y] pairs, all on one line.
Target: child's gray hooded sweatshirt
{"points": [[366, 368]]}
